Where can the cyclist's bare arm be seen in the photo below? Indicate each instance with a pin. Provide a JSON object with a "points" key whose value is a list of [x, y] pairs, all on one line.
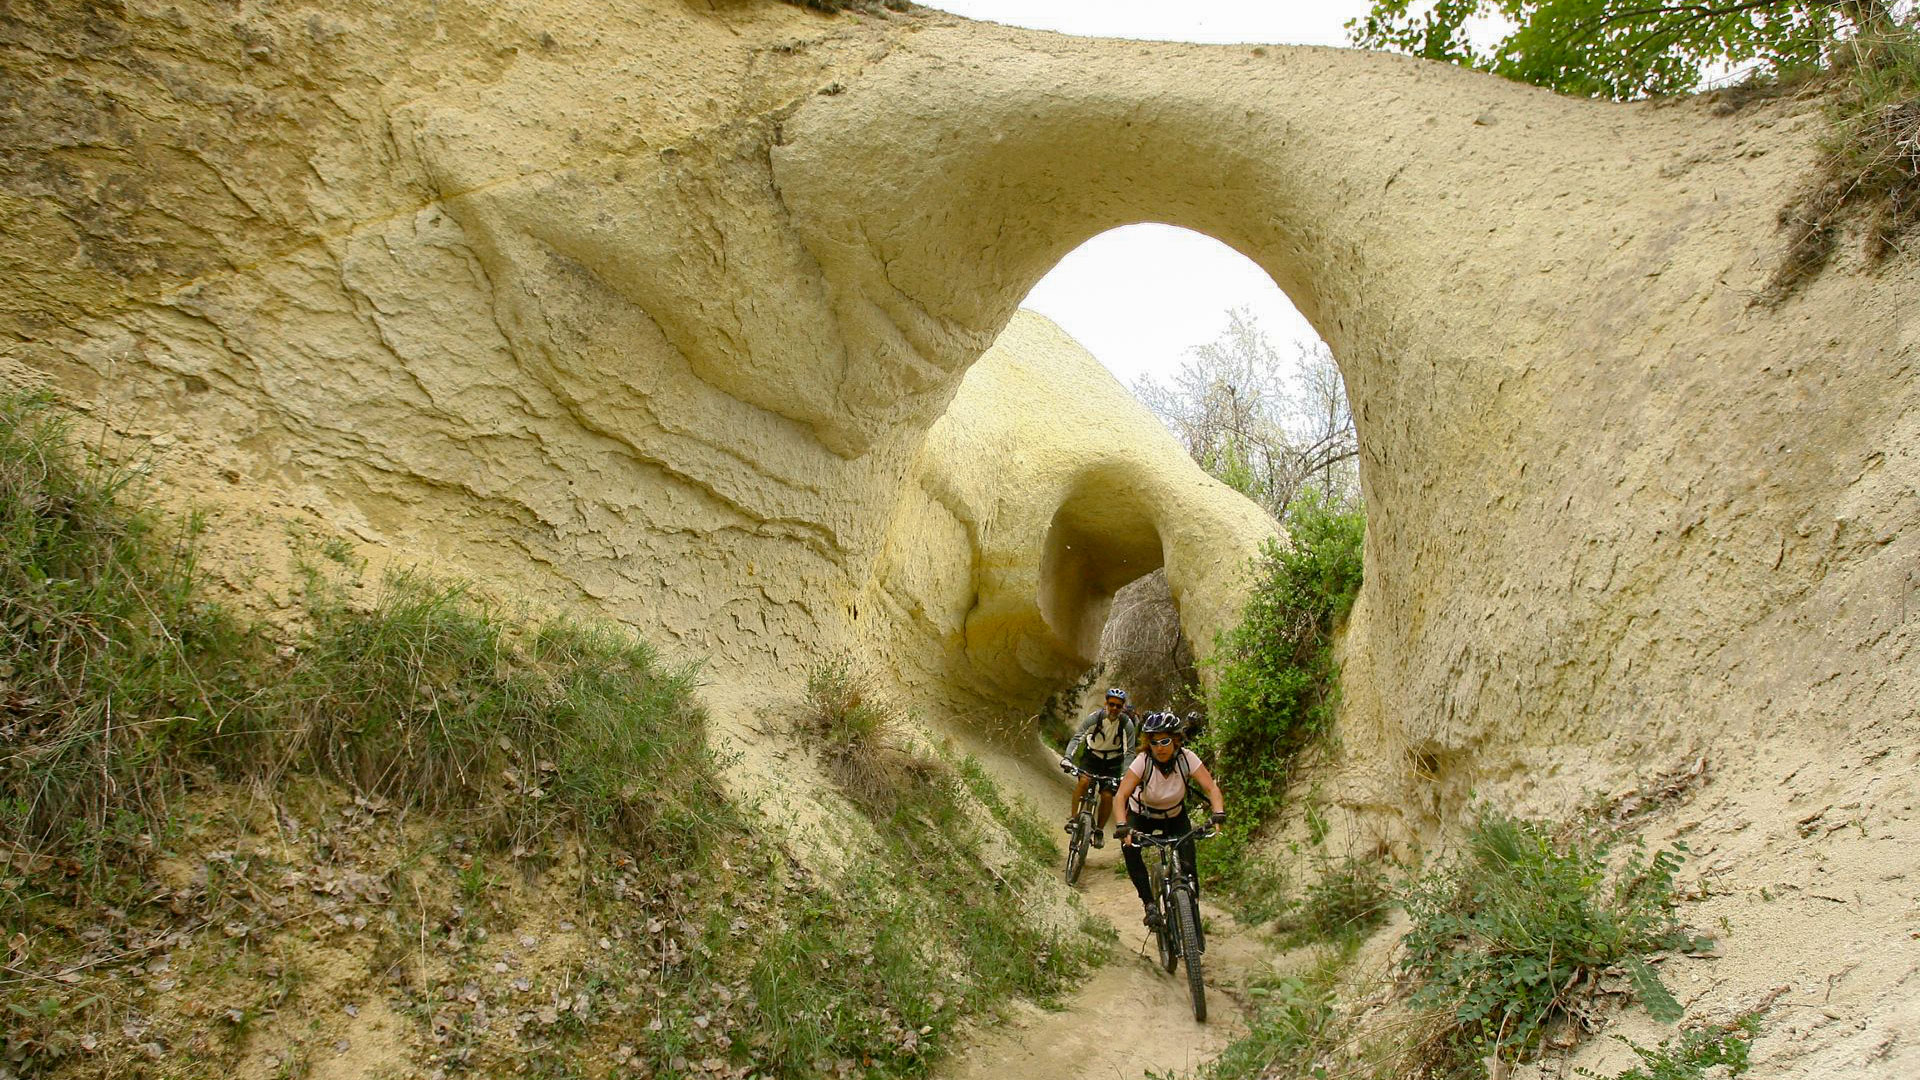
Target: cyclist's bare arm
{"points": [[1128, 781], [1205, 779]]}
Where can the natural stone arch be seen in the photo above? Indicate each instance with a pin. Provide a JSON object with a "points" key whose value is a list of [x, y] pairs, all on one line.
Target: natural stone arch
{"points": [[1539, 305], [673, 329], [1053, 504]]}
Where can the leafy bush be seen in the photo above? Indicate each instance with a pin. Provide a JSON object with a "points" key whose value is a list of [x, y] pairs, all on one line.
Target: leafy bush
{"points": [[1278, 683], [1518, 928], [1624, 48]]}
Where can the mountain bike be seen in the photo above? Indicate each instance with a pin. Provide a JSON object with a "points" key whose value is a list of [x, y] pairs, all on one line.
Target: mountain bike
{"points": [[1179, 934], [1085, 819]]}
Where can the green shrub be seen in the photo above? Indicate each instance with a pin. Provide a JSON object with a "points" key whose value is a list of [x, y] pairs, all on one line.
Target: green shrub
{"points": [[1277, 686], [1518, 928]]}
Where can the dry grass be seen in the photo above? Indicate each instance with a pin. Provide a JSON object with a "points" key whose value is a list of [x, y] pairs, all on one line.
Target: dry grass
{"points": [[1869, 170]]}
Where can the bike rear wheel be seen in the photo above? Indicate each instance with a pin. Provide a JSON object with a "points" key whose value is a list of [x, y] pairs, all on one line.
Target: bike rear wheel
{"points": [[1189, 923]]}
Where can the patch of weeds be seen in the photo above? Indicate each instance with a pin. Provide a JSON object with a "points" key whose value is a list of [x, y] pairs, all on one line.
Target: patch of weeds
{"points": [[1516, 933], [1294, 1029], [869, 976], [855, 731], [434, 700], [1869, 167], [113, 671], [1022, 823], [1347, 899], [1689, 1055]]}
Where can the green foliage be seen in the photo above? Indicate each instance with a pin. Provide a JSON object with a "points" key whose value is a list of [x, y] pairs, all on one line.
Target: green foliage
{"points": [[852, 977], [1512, 932], [111, 668], [1292, 1031], [1623, 48], [1277, 687], [1690, 1055], [433, 700], [1033, 836]]}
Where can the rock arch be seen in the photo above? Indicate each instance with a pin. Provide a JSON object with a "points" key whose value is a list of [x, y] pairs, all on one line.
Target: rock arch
{"points": [[674, 315]]}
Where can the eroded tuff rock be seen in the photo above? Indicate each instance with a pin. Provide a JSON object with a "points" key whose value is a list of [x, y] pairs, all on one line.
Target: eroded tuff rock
{"points": [[677, 311]]}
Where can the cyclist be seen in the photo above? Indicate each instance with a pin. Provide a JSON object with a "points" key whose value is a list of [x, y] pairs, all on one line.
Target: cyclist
{"points": [[1153, 799], [1098, 748]]}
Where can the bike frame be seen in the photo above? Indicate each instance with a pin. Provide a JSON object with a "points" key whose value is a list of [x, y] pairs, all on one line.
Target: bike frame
{"points": [[1086, 818], [1180, 934]]}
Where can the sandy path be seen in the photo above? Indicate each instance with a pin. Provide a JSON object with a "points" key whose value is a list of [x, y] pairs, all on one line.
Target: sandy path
{"points": [[1130, 1016]]}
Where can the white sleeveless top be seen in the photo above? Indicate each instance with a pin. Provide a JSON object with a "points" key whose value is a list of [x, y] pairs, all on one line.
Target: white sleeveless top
{"points": [[1161, 792]]}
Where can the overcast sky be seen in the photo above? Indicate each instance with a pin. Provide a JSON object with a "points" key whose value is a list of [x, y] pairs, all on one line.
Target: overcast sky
{"points": [[1139, 297]]}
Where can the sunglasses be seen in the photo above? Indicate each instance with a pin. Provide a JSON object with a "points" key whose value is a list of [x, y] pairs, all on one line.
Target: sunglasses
{"points": [[1160, 740], [1112, 704]]}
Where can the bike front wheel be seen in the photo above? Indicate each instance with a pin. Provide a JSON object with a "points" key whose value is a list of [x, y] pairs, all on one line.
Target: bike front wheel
{"points": [[1189, 923], [1077, 842]]}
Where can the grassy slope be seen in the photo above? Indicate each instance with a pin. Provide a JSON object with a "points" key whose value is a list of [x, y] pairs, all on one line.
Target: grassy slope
{"points": [[435, 838]]}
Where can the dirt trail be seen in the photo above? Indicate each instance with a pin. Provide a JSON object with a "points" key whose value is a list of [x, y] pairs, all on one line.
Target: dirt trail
{"points": [[1130, 1016]]}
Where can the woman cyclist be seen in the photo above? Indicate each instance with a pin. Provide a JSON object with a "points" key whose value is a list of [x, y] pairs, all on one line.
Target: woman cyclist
{"points": [[1100, 747], [1153, 799]]}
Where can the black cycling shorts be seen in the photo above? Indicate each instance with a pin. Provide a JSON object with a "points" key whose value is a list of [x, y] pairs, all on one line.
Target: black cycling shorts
{"points": [[1107, 766]]}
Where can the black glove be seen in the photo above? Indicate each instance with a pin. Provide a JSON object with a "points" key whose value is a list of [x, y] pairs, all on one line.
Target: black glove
{"points": [[1121, 829], [1219, 818]]}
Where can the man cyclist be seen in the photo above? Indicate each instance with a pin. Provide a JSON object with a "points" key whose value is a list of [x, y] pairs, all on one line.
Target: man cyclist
{"points": [[1153, 799], [1098, 748]]}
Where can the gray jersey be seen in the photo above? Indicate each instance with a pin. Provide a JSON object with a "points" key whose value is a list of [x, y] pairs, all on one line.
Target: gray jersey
{"points": [[1098, 735]]}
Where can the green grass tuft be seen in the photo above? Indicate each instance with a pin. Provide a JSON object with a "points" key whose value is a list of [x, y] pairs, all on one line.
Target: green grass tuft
{"points": [[1519, 928]]}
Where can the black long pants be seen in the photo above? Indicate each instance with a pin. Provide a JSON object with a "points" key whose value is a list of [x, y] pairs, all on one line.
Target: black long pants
{"points": [[1137, 860]]}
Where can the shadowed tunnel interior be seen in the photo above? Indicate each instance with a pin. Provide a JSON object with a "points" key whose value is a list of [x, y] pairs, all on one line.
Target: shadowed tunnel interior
{"points": [[1101, 538]]}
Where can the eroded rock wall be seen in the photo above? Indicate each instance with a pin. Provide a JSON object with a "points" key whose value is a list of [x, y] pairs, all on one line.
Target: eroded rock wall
{"points": [[678, 312]]}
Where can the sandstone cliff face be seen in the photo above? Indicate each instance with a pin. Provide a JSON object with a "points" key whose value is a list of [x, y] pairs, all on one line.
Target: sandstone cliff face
{"points": [[688, 313]]}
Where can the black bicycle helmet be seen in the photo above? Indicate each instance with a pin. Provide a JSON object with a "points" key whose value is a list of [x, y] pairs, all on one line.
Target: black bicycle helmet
{"points": [[1162, 721]]}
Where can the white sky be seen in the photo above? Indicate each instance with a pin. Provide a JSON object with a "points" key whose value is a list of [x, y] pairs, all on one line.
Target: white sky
{"points": [[1139, 297]]}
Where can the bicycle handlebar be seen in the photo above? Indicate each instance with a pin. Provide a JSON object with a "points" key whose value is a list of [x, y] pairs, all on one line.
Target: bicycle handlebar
{"points": [[1198, 832], [1111, 783]]}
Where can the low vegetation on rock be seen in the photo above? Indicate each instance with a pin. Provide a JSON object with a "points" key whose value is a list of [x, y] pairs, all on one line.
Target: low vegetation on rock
{"points": [[1524, 937], [425, 831]]}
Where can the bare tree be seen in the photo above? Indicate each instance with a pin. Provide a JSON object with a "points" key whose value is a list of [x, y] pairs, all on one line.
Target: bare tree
{"points": [[1258, 423]]}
